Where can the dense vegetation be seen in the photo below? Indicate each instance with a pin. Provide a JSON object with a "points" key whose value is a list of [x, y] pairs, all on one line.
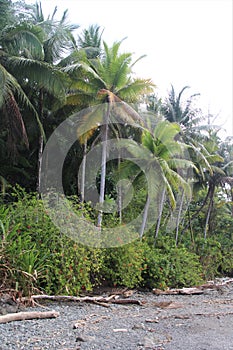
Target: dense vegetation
{"points": [[49, 70]]}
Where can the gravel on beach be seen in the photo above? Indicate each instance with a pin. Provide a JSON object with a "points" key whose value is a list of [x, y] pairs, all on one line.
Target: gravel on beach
{"points": [[164, 322]]}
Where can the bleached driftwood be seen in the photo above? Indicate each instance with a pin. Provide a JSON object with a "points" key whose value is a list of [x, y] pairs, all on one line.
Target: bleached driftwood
{"points": [[100, 300], [212, 285], [184, 291], [29, 315]]}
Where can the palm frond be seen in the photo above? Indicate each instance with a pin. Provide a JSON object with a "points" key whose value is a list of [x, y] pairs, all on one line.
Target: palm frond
{"points": [[9, 85], [44, 75], [214, 158], [24, 39], [135, 89]]}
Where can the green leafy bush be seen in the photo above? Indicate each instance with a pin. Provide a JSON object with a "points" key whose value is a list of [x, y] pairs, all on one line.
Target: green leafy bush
{"points": [[174, 267], [123, 265], [216, 259], [35, 255]]}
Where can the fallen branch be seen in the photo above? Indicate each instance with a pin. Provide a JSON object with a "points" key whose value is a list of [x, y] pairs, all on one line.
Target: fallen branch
{"points": [[127, 301], [212, 285], [184, 291], [103, 301], [21, 316]]}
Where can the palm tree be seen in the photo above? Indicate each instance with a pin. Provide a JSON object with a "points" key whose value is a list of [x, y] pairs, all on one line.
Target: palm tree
{"points": [[210, 173], [195, 134], [29, 51], [226, 151], [57, 40], [166, 170], [108, 80], [170, 153], [221, 175], [177, 110], [90, 40]]}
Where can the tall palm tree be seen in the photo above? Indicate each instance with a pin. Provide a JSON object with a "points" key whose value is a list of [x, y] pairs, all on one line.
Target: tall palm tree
{"points": [[109, 80], [166, 167], [210, 173], [57, 40], [194, 133], [171, 156], [90, 41], [29, 50]]}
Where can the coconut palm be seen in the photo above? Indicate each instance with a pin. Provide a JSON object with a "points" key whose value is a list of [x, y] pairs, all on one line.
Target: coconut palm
{"points": [[171, 155], [29, 50], [165, 154], [108, 80], [194, 133], [90, 40], [221, 175], [175, 109]]}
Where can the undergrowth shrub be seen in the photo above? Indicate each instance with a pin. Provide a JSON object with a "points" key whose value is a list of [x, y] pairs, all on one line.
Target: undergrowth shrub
{"points": [[216, 259], [170, 267], [36, 257], [123, 265]]}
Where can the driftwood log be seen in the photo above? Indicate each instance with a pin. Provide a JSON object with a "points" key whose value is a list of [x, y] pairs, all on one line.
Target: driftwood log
{"points": [[184, 291], [21, 316], [114, 299], [211, 285]]}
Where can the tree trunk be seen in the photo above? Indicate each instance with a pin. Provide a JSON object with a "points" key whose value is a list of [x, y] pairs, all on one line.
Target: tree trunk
{"points": [[210, 207], [160, 214], [191, 228], [41, 140], [103, 165], [231, 200], [119, 193], [82, 189], [144, 218], [199, 210], [178, 216], [40, 153]]}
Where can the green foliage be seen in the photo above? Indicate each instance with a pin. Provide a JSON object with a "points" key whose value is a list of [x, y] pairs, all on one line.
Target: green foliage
{"points": [[216, 260], [123, 265], [170, 266], [34, 255]]}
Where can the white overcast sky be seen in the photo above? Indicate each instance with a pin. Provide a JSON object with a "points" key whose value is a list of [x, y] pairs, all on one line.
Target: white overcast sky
{"points": [[187, 42]]}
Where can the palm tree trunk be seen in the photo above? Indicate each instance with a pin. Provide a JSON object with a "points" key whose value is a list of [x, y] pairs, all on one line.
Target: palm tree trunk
{"points": [[40, 153], [41, 140], [103, 165], [144, 218], [160, 214], [199, 210], [119, 192], [210, 207], [191, 228], [82, 189], [178, 216], [231, 200]]}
